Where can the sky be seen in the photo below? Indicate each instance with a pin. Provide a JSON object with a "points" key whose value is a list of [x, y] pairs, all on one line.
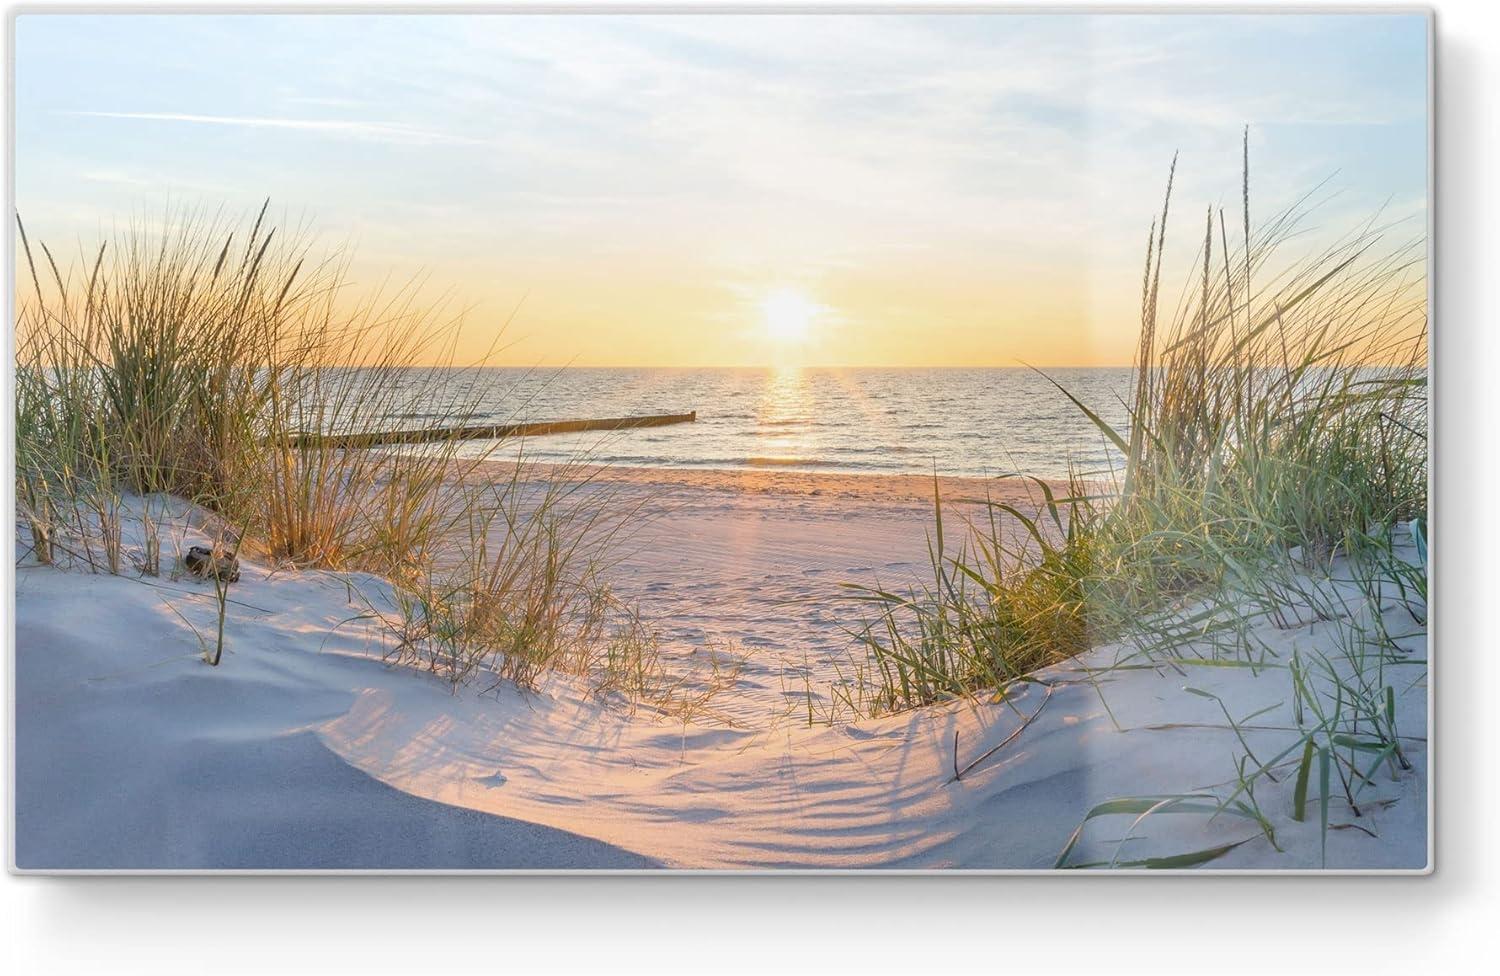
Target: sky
{"points": [[739, 190]]}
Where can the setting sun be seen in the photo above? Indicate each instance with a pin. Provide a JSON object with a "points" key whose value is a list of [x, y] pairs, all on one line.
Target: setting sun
{"points": [[787, 316]]}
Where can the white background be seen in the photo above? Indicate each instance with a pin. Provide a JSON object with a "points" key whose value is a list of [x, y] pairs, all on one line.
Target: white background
{"points": [[1444, 923]]}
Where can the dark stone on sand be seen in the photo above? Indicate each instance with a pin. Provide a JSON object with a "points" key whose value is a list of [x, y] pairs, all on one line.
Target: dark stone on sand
{"points": [[205, 563]]}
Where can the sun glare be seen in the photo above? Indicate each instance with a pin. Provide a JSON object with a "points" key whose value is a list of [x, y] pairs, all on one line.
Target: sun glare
{"points": [[788, 315]]}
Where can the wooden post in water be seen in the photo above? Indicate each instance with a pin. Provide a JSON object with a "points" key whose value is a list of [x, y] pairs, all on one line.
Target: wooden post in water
{"points": [[490, 432]]}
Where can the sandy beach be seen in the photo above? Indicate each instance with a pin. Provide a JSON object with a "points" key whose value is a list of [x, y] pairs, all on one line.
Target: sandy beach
{"points": [[303, 750]]}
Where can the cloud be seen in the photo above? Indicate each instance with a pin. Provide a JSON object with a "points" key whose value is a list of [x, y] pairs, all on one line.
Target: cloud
{"points": [[380, 131]]}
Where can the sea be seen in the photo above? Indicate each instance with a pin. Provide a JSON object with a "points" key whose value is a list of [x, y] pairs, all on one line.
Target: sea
{"points": [[980, 422]]}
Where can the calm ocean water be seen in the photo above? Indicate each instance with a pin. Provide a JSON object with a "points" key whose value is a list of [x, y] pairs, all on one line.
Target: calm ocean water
{"points": [[973, 422]]}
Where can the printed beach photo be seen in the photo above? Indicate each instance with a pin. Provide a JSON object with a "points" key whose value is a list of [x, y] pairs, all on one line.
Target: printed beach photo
{"points": [[988, 441]]}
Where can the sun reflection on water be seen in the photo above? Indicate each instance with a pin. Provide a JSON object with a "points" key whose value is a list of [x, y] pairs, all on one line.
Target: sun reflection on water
{"points": [[784, 416]]}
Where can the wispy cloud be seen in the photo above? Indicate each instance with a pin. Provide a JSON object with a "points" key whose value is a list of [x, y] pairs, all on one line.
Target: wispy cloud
{"points": [[360, 129]]}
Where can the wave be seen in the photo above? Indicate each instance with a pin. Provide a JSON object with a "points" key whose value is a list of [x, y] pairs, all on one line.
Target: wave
{"points": [[467, 418], [787, 462], [664, 461], [889, 449]]}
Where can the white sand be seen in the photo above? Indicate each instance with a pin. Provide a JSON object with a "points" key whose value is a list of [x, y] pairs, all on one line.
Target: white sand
{"points": [[304, 751]]}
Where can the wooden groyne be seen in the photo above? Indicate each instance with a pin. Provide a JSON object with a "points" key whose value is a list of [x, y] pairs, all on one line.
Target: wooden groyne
{"points": [[487, 432]]}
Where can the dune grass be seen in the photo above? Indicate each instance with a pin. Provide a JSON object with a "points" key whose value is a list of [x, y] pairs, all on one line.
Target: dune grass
{"points": [[1277, 439], [998, 606], [186, 360]]}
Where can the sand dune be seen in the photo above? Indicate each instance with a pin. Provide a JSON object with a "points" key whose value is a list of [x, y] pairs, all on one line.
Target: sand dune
{"points": [[303, 750]]}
